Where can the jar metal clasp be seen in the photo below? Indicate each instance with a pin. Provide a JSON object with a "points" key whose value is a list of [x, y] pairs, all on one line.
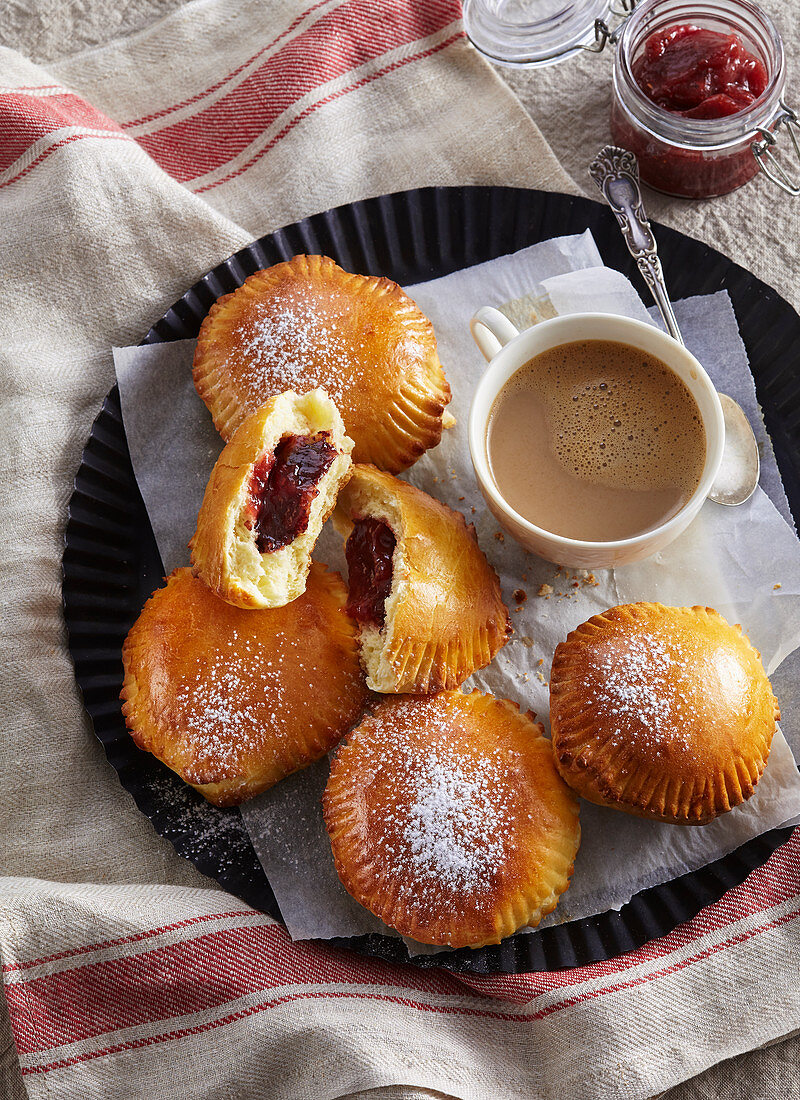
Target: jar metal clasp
{"points": [[603, 34], [765, 156]]}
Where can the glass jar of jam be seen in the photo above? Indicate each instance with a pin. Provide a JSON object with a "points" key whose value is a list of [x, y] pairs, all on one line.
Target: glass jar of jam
{"points": [[696, 86]]}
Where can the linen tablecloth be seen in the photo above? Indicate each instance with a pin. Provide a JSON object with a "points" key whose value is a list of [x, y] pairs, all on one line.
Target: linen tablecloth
{"points": [[125, 173]]}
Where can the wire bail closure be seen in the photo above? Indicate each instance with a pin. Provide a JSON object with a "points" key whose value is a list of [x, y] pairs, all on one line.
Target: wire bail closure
{"points": [[603, 34], [763, 150]]}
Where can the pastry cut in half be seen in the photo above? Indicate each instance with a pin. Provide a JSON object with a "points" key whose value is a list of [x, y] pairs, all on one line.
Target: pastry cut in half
{"points": [[448, 820], [663, 712], [234, 700], [270, 492], [306, 323], [427, 601]]}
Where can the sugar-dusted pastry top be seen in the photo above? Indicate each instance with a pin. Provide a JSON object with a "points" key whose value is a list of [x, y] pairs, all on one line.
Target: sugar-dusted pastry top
{"points": [[306, 323], [664, 712], [442, 614], [448, 820], [234, 700], [270, 492]]}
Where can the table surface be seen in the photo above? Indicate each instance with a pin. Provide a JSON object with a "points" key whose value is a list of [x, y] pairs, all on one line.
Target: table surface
{"points": [[758, 226]]}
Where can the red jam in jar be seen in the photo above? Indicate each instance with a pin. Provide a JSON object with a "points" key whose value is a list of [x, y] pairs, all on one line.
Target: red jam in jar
{"points": [[695, 86], [699, 73]]}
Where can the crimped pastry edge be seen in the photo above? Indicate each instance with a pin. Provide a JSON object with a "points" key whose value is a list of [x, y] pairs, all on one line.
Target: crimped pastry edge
{"points": [[396, 662], [410, 423], [519, 910], [148, 734], [669, 799]]}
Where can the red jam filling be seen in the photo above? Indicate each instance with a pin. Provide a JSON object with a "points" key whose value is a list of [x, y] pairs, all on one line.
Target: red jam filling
{"points": [[369, 552], [283, 486], [699, 73]]}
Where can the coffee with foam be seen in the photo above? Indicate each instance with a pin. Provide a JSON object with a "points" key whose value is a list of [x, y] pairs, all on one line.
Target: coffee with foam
{"points": [[596, 440]]}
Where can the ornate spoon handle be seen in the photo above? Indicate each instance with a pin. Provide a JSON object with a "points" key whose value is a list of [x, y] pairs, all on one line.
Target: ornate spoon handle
{"points": [[616, 173]]}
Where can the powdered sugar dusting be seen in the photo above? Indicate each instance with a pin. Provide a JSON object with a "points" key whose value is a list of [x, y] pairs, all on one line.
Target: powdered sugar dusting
{"points": [[444, 824], [200, 831], [233, 700], [637, 686], [216, 710], [453, 828], [300, 344]]}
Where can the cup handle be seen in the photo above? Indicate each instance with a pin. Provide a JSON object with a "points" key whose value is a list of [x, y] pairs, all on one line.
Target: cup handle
{"points": [[491, 330]]}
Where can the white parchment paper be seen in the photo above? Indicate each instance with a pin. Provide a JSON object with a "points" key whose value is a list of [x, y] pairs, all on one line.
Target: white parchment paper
{"points": [[729, 558]]}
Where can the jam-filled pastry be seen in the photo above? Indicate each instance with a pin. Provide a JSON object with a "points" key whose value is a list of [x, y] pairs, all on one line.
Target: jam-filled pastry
{"points": [[234, 700], [306, 323], [663, 712], [270, 492], [427, 601], [448, 819]]}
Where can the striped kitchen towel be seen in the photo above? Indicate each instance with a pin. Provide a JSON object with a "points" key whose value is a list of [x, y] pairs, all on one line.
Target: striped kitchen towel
{"points": [[125, 174], [123, 991]]}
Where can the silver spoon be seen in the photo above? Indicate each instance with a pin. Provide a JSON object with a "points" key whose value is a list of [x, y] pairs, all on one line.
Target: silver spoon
{"points": [[616, 173]]}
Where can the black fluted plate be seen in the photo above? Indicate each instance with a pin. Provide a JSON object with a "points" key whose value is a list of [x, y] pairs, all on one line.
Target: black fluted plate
{"points": [[111, 562]]}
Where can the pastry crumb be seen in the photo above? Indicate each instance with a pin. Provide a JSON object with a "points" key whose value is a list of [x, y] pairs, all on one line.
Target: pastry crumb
{"points": [[544, 590], [520, 595], [776, 586], [464, 498], [540, 661], [582, 578], [500, 536], [527, 640]]}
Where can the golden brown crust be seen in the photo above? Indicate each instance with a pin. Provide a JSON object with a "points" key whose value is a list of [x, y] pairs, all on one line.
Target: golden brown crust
{"points": [[663, 712], [233, 700], [224, 551], [307, 323], [445, 617], [448, 820]]}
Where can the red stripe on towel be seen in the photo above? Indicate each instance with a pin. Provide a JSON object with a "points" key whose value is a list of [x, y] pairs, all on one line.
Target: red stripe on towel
{"points": [[774, 883], [135, 938], [34, 1020], [321, 103], [25, 119], [354, 34], [54, 148], [229, 76]]}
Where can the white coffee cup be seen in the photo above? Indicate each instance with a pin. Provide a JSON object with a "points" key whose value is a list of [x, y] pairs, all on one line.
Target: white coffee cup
{"points": [[507, 350]]}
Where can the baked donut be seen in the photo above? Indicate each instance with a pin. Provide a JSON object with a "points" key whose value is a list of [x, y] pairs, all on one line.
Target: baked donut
{"points": [[663, 712], [448, 820], [270, 492], [427, 601], [233, 700], [306, 323]]}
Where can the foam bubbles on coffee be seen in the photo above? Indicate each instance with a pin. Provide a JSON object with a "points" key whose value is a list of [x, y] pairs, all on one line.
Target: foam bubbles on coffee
{"points": [[596, 440]]}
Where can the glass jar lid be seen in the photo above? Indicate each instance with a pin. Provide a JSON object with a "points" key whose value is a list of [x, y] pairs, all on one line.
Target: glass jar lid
{"points": [[532, 32]]}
